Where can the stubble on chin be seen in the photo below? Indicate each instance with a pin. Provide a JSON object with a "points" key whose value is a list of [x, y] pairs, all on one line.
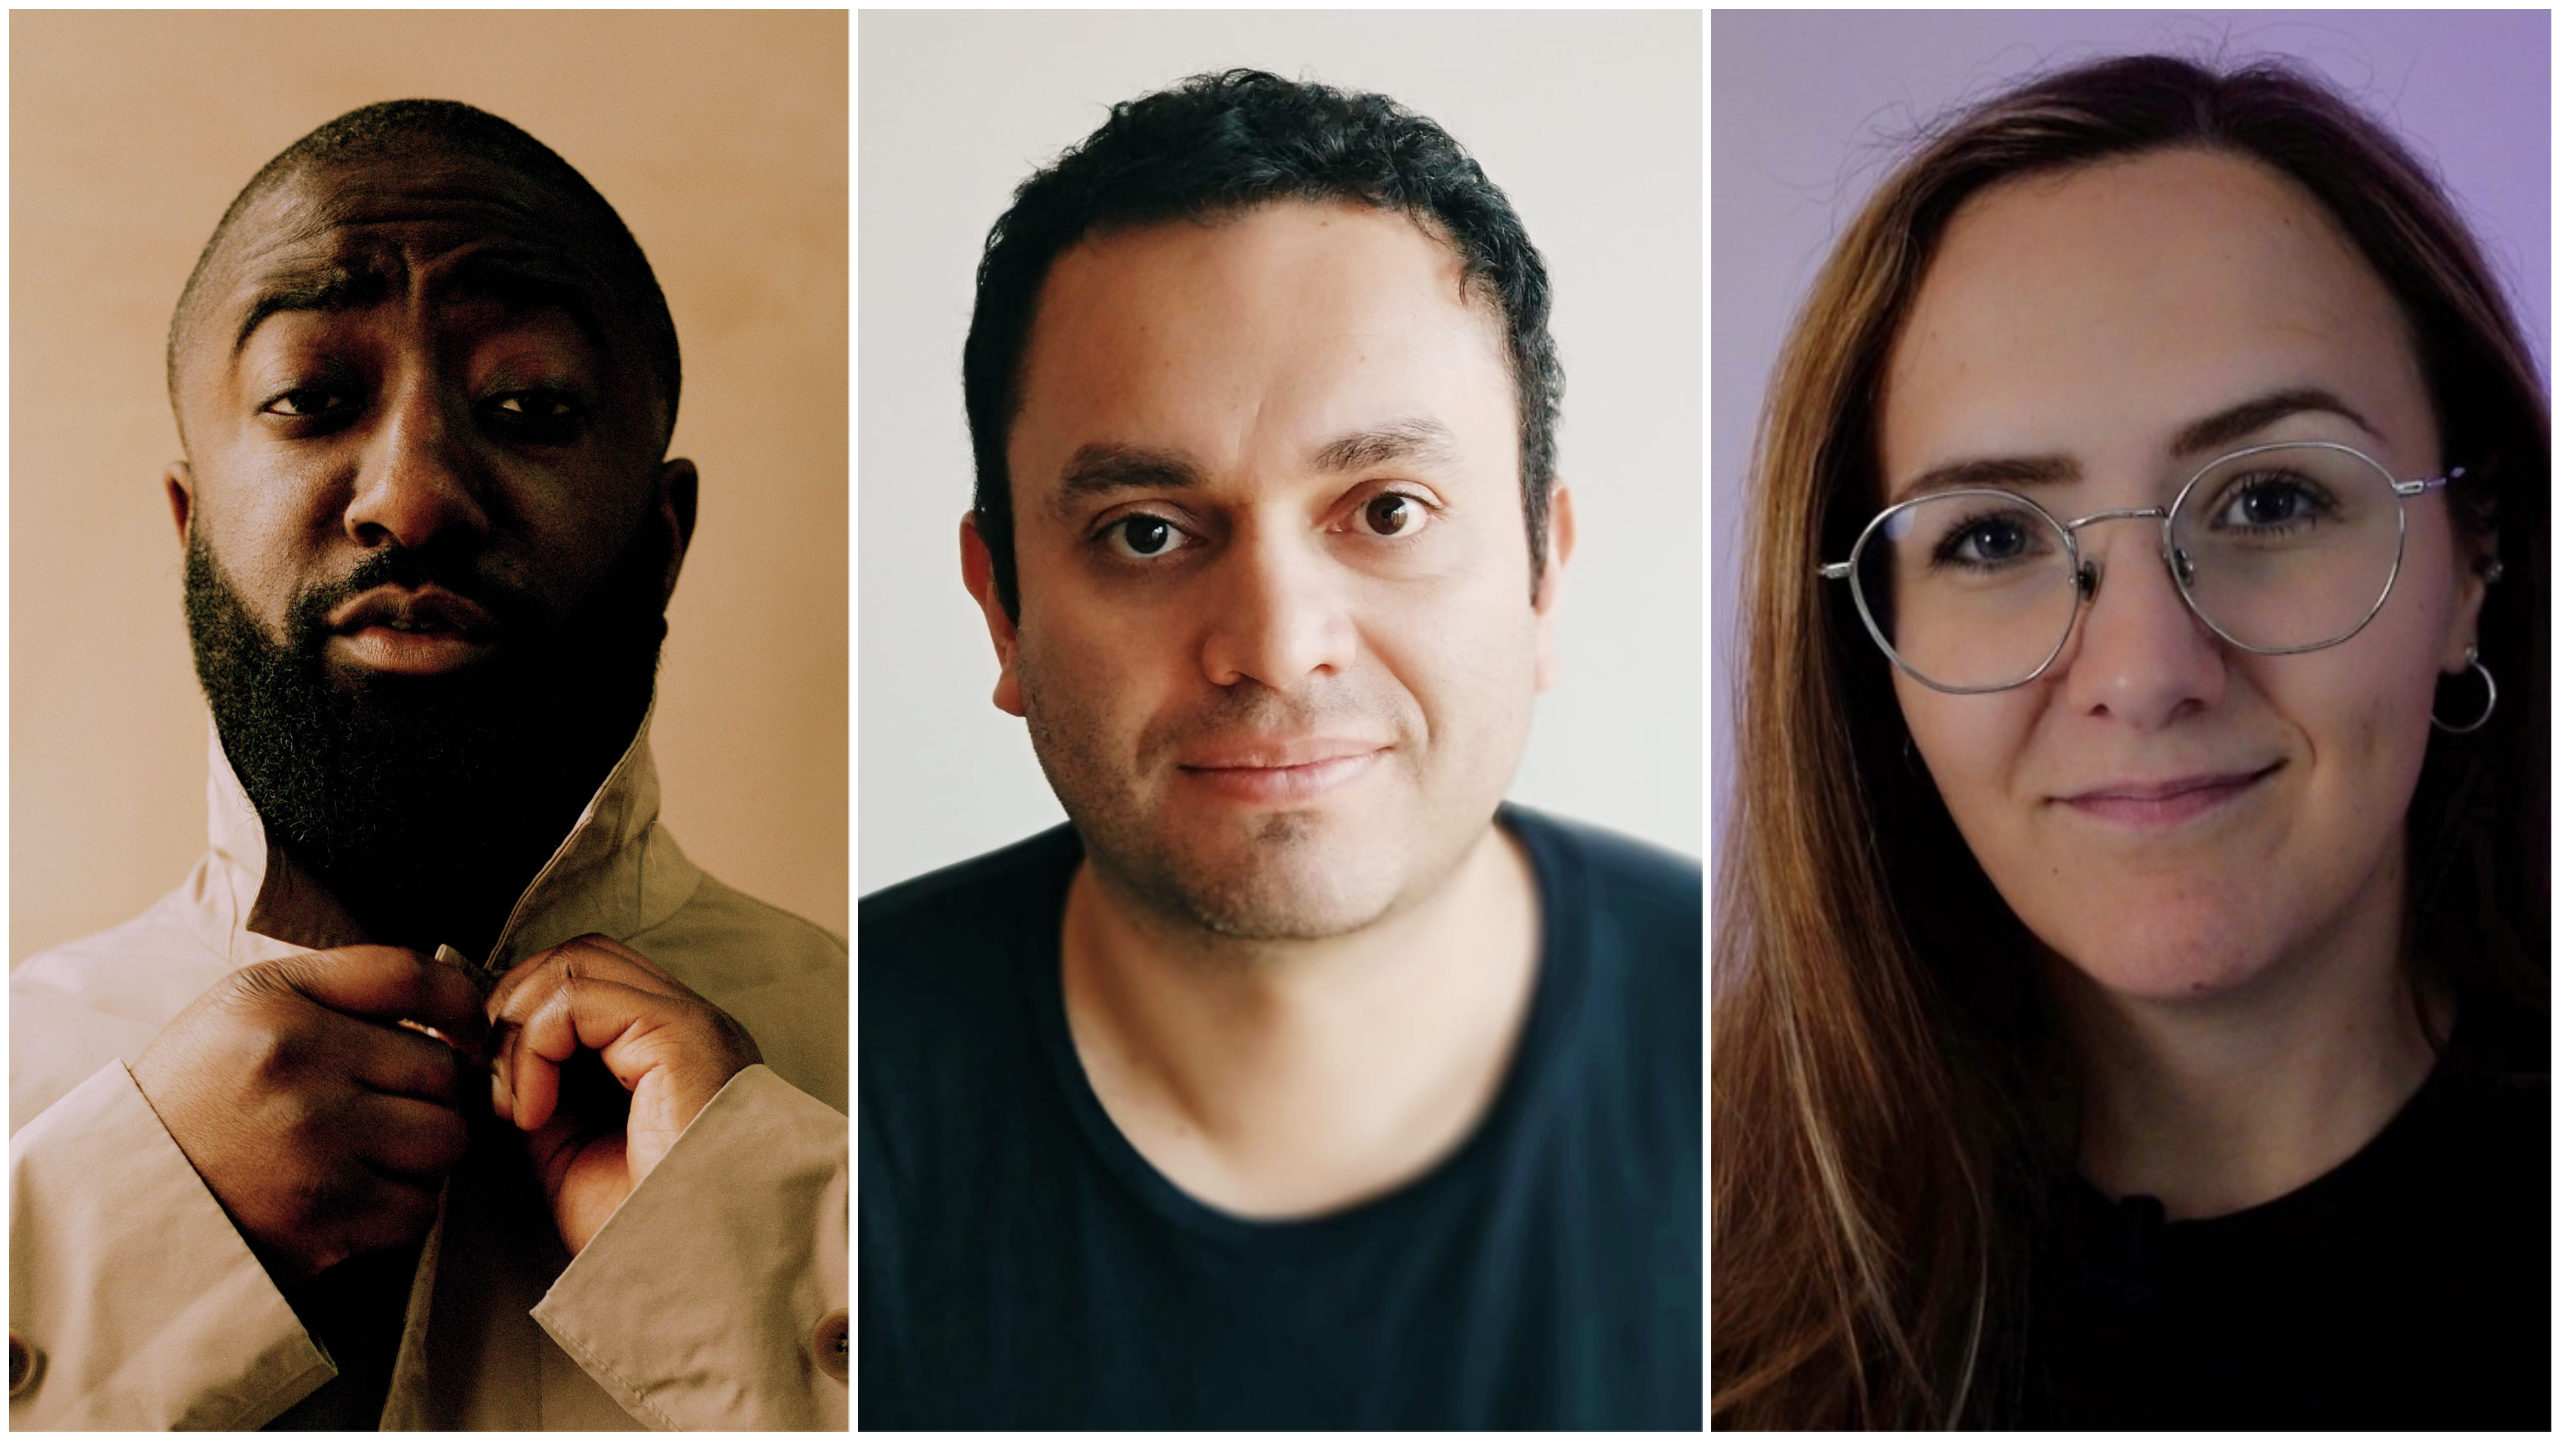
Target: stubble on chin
{"points": [[1252, 876]]}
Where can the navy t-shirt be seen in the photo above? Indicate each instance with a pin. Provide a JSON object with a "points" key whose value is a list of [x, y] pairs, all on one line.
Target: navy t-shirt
{"points": [[1023, 1267]]}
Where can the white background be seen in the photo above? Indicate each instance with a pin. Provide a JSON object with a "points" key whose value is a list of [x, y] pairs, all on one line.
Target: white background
{"points": [[1589, 122]]}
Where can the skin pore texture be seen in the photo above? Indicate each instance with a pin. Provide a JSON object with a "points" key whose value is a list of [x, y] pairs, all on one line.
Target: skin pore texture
{"points": [[1275, 660], [2230, 975], [431, 537]]}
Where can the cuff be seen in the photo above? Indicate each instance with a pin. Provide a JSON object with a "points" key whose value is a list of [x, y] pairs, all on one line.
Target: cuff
{"points": [[714, 1298], [130, 1283]]}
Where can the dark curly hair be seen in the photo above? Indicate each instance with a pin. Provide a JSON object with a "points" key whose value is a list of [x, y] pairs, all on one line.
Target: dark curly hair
{"points": [[404, 127], [1215, 144]]}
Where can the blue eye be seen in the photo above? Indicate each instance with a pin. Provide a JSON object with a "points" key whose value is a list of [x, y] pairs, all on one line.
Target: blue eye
{"points": [[1982, 540], [2273, 501]]}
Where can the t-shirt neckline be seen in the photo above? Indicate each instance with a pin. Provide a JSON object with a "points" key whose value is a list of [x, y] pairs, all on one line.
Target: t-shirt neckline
{"points": [[1560, 965]]}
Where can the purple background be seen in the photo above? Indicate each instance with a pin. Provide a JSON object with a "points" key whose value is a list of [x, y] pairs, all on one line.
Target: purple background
{"points": [[1810, 109]]}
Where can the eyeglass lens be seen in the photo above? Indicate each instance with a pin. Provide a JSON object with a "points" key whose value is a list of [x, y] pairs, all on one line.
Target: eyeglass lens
{"points": [[2286, 548]]}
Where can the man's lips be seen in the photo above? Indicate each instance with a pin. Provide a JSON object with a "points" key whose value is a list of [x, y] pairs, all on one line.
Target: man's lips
{"points": [[1269, 770], [427, 608], [2148, 803], [426, 631]]}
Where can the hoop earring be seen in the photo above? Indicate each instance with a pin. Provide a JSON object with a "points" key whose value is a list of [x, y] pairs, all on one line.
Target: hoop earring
{"points": [[2471, 658]]}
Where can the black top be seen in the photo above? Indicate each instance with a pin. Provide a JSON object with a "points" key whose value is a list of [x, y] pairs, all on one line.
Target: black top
{"points": [[1022, 1267], [2409, 1288]]}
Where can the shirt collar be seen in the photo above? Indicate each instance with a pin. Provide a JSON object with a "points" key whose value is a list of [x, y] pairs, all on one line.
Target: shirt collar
{"points": [[616, 873]]}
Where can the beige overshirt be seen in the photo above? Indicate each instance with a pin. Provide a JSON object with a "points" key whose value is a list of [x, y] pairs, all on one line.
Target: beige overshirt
{"points": [[714, 1298]]}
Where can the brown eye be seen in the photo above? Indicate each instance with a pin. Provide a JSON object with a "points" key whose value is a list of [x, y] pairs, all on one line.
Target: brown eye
{"points": [[1392, 514], [305, 403], [1144, 537]]}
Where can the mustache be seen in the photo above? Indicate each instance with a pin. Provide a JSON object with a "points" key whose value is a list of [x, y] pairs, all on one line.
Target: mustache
{"points": [[1253, 711], [509, 605]]}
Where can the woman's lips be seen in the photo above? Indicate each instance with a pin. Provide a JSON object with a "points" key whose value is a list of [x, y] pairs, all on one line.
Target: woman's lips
{"points": [[1264, 784], [2159, 805]]}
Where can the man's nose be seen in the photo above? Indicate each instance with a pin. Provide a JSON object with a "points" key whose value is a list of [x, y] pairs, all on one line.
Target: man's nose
{"points": [[420, 478], [1275, 612], [2140, 655]]}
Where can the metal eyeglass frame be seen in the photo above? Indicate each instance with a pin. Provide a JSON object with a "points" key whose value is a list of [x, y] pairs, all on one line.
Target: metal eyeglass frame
{"points": [[2084, 573]]}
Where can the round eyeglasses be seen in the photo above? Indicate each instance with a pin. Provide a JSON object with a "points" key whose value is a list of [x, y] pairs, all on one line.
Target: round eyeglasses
{"points": [[2278, 549]]}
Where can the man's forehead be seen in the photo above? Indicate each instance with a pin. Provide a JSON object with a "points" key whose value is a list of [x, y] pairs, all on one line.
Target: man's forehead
{"points": [[1313, 321], [390, 217], [351, 235]]}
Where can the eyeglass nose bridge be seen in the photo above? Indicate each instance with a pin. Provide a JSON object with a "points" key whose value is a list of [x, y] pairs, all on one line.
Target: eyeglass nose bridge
{"points": [[2085, 573]]}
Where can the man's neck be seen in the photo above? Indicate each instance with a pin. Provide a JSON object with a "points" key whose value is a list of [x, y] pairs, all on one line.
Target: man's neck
{"points": [[2218, 1105], [305, 906], [1292, 1079]]}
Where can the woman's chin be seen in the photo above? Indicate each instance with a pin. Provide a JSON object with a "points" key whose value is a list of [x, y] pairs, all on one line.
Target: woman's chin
{"points": [[2167, 960]]}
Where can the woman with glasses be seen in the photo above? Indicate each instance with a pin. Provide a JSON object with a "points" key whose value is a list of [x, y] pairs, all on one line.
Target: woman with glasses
{"points": [[2131, 1000]]}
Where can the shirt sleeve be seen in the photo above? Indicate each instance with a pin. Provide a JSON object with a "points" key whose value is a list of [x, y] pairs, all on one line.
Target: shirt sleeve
{"points": [[134, 1303], [715, 1297]]}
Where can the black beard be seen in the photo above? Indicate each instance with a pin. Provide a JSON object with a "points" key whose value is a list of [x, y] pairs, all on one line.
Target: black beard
{"points": [[426, 804]]}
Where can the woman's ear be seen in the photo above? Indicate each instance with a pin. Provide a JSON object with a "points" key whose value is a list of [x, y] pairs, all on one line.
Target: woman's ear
{"points": [[2477, 552]]}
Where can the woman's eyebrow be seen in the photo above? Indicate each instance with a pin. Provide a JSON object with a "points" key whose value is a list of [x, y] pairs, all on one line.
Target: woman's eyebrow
{"points": [[2239, 422], [2219, 430], [2004, 473]]}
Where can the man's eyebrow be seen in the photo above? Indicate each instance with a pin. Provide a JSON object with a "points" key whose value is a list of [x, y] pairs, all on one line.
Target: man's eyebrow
{"points": [[518, 281], [1103, 469], [527, 281], [2216, 431], [330, 287], [1419, 439]]}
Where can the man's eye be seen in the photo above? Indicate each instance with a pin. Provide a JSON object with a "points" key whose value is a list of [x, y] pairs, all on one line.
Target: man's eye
{"points": [[535, 406], [1393, 515], [1143, 537], [307, 402]]}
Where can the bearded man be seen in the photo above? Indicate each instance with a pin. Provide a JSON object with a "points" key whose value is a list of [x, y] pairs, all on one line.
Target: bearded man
{"points": [[445, 1093]]}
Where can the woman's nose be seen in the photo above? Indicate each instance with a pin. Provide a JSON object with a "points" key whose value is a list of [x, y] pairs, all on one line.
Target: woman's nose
{"points": [[2140, 655]]}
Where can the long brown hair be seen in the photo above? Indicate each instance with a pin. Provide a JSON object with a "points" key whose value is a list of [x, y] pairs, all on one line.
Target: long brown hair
{"points": [[1889, 1106]]}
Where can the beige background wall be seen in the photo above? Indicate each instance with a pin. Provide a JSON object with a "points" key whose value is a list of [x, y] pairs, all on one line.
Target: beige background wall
{"points": [[720, 137]]}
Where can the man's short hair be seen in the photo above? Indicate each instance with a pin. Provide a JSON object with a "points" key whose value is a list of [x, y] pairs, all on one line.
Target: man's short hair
{"points": [[396, 127], [1215, 144]]}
